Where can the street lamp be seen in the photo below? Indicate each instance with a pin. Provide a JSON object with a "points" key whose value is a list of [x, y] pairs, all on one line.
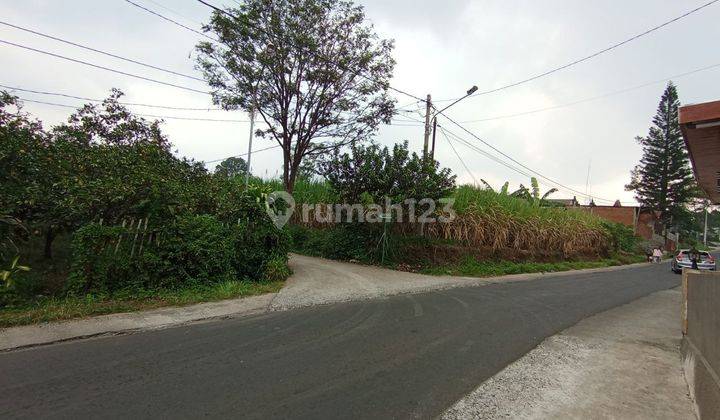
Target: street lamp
{"points": [[468, 93]]}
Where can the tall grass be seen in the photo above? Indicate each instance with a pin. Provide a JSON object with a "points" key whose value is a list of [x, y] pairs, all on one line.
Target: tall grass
{"points": [[307, 191], [489, 219], [493, 220]]}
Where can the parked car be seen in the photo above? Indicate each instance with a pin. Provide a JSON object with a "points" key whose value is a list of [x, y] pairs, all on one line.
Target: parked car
{"points": [[682, 260]]}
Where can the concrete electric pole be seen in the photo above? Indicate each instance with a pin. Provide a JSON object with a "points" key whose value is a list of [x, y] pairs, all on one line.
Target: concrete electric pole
{"points": [[249, 155], [705, 231], [428, 106]]}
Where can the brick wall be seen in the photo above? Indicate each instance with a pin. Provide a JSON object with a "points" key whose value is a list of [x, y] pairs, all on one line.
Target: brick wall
{"points": [[623, 215], [626, 215]]}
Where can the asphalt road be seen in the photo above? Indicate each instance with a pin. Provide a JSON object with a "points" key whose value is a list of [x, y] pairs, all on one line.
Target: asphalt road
{"points": [[401, 357]]}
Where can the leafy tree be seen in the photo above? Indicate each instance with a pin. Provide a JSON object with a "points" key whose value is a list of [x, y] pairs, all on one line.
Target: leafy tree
{"points": [[232, 167], [104, 163], [663, 181], [380, 172], [111, 124], [25, 165], [314, 70]]}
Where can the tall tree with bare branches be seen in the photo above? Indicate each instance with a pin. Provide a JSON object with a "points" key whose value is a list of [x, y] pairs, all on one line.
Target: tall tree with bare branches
{"points": [[314, 70]]}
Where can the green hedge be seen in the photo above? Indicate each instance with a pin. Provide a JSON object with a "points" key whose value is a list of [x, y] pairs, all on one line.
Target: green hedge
{"points": [[192, 250]]}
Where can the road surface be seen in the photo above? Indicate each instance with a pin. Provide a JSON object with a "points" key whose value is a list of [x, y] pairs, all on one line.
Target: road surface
{"points": [[405, 356]]}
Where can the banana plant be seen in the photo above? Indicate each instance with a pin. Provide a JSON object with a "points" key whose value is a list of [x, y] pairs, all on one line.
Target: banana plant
{"points": [[7, 276], [531, 194]]}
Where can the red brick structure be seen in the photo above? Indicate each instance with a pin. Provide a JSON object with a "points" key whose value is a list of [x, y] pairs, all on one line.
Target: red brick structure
{"points": [[642, 221]]}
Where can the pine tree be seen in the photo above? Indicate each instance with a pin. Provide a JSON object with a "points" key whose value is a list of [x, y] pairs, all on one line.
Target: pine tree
{"points": [[663, 181]]}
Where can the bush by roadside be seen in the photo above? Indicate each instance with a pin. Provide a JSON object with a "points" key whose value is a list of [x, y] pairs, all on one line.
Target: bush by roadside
{"points": [[68, 191], [192, 250]]}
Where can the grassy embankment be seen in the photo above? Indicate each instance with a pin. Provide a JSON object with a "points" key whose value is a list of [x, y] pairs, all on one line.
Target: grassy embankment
{"points": [[493, 234]]}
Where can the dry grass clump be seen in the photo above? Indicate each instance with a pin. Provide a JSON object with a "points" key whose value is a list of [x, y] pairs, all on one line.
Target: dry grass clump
{"points": [[490, 219]]}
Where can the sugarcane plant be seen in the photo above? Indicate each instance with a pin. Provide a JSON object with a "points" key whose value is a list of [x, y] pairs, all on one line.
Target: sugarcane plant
{"points": [[8, 228]]}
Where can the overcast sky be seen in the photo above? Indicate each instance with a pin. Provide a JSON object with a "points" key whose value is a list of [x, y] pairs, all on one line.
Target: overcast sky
{"points": [[442, 48]]}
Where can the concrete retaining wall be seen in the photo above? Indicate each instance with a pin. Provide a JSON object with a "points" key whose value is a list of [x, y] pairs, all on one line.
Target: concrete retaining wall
{"points": [[701, 340]]}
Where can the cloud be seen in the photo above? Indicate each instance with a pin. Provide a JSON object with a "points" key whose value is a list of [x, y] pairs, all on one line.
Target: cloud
{"points": [[442, 49]]}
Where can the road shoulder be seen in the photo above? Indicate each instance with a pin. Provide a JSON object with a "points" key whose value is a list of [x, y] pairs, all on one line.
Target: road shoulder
{"points": [[622, 363]]}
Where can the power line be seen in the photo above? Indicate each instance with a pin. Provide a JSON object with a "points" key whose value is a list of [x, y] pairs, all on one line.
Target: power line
{"points": [[174, 12], [101, 52], [550, 180], [515, 169], [171, 21], [477, 149], [103, 68], [486, 154], [82, 98], [580, 101], [597, 53], [458, 156], [169, 117], [242, 154], [142, 115], [527, 172], [225, 12]]}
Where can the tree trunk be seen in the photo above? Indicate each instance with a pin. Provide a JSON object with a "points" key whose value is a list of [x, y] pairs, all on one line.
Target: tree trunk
{"points": [[291, 172], [49, 238]]}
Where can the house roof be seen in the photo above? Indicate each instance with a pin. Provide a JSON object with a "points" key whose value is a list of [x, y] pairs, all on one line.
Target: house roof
{"points": [[564, 201], [700, 125]]}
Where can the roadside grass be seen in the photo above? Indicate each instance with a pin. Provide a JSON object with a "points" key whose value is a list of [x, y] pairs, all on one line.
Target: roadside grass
{"points": [[472, 267], [56, 309]]}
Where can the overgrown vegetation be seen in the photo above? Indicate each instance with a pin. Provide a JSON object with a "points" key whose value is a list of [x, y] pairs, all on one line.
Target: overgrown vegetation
{"points": [[100, 209], [495, 224], [498, 221]]}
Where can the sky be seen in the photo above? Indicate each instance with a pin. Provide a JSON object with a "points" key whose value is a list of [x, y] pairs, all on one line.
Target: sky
{"points": [[584, 141]]}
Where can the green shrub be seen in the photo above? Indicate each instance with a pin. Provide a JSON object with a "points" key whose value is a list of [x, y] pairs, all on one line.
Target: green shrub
{"points": [[95, 264], [276, 269], [343, 241], [380, 172], [192, 250], [622, 238], [255, 243]]}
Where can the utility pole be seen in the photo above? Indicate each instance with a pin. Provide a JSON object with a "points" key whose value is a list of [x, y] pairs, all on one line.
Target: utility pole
{"points": [[434, 129], [428, 106], [468, 93], [705, 232], [249, 155]]}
